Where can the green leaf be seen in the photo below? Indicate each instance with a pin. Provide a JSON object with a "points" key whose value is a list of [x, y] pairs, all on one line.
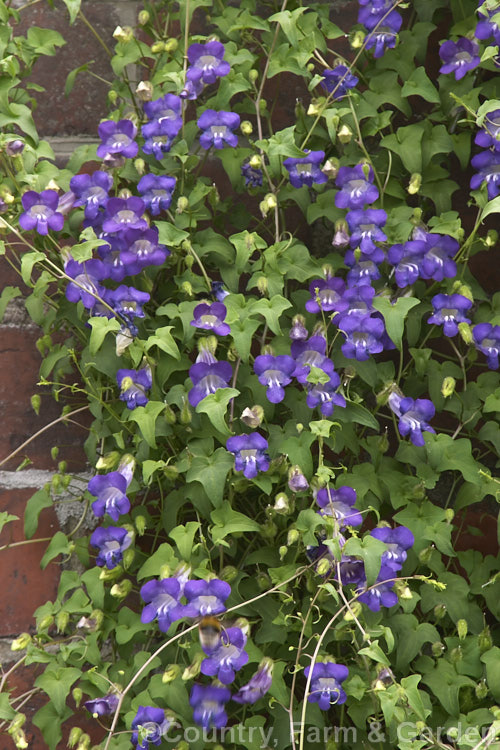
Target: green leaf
{"points": [[169, 234], [370, 550], [164, 555], [49, 721], [73, 7], [163, 339], [375, 653], [492, 402], [37, 502], [492, 660], [58, 545], [211, 472], [488, 106], [27, 262], [492, 207], [183, 537], [419, 84], [395, 315], [6, 518], [228, 521], [57, 683], [44, 41], [307, 521], [8, 293], [145, 417], [100, 327], [83, 251], [281, 144], [357, 413], [288, 19], [271, 309], [246, 243], [215, 406]]}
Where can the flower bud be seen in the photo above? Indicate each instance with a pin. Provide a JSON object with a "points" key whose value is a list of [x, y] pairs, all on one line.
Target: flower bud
{"points": [[449, 515], [123, 34], [282, 551], [323, 567], [140, 166], [331, 166], [262, 284], [122, 589], [465, 332], [269, 530], [357, 39], [108, 461], [171, 45], [77, 695], [187, 288], [298, 331], [448, 386], [128, 558], [74, 736], [246, 127], [341, 236], [185, 416], [62, 619], [484, 640], [228, 573], [296, 480], [36, 402], [415, 183], [171, 673], [437, 649], [253, 75], [84, 742], [281, 504], [293, 537], [46, 622], [255, 161], [263, 581], [140, 524], [97, 617], [315, 106], [111, 575], [481, 690], [425, 554], [194, 668], [439, 611], [143, 17], [355, 611], [262, 106], [271, 201], [456, 654], [14, 148], [19, 739], [182, 204], [171, 473], [253, 417], [144, 91], [157, 47], [462, 629], [491, 238], [402, 590], [17, 722]]}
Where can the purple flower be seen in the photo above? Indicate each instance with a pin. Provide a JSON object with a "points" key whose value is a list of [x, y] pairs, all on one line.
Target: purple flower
{"points": [[111, 543], [307, 354], [357, 188], [218, 291], [142, 249], [102, 706], [488, 164], [206, 597], [253, 176], [133, 384], [156, 191], [298, 331], [14, 148], [364, 335], [366, 228], [258, 684], [91, 191], [110, 492], [325, 395], [85, 285], [398, 540], [150, 723], [228, 657], [127, 302], [339, 504], [124, 213], [414, 416], [486, 26], [206, 62], [218, 128], [382, 594], [111, 255], [250, 452], [363, 273], [191, 90], [274, 373], [359, 301], [325, 686], [385, 35], [449, 311], [407, 261], [338, 81], [305, 170], [208, 702], [41, 212], [438, 262], [372, 12], [117, 139], [487, 341], [162, 602], [167, 108], [352, 571], [159, 136], [489, 135], [296, 480], [208, 378], [211, 318], [326, 295], [459, 57]]}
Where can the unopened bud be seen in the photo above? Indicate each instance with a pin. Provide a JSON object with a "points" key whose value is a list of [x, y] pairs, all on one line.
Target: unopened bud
{"points": [[282, 551], [439, 611], [403, 591], [157, 47], [437, 649], [140, 166], [323, 567], [171, 673], [143, 17], [253, 75], [383, 443], [255, 161], [331, 167], [293, 537], [171, 472], [425, 554], [74, 736], [182, 204], [491, 238], [169, 415], [77, 695], [448, 386], [281, 504], [262, 105], [449, 515], [128, 558], [296, 480], [357, 39], [97, 617], [140, 525], [123, 34], [465, 332], [315, 106], [36, 402], [353, 611], [122, 589], [228, 573], [108, 461], [144, 91], [262, 284], [111, 575], [21, 642], [246, 127], [462, 629], [485, 640], [14, 148], [187, 288], [62, 619], [185, 416], [194, 668], [456, 654], [171, 45], [415, 183], [84, 742], [46, 622], [269, 530], [481, 690], [253, 417], [263, 581]]}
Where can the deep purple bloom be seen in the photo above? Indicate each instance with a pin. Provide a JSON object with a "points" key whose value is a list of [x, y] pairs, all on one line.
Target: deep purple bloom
{"points": [[143, 249], [124, 213], [449, 311], [111, 256], [363, 334], [325, 687], [14, 148], [102, 706], [253, 176], [407, 261], [250, 453], [305, 170], [162, 602], [363, 273], [133, 384], [438, 263], [414, 416], [168, 107], [274, 373], [385, 35], [339, 80], [228, 657], [211, 318], [488, 164], [296, 480], [487, 341], [41, 212], [359, 301], [366, 228], [398, 540], [218, 128], [489, 135], [127, 302], [459, 57], [117, 139], [325, 395], [352, 571], [206, 597], [208, 378], [159, 136], [110, 491], [487, 27], [154, 725], [258, 684], [298, 331], [382, 594], [208, 702], [192, 90], [91, 191], [85, 285], [357, 188], [372, 12], [340, 505], [326, 295], [111, 543], [206, 62], [156, 191], [307, 354], [218, 290]]}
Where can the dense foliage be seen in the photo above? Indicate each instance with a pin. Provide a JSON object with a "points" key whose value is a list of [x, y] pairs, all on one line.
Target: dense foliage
{"points": [[262, 280]]}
